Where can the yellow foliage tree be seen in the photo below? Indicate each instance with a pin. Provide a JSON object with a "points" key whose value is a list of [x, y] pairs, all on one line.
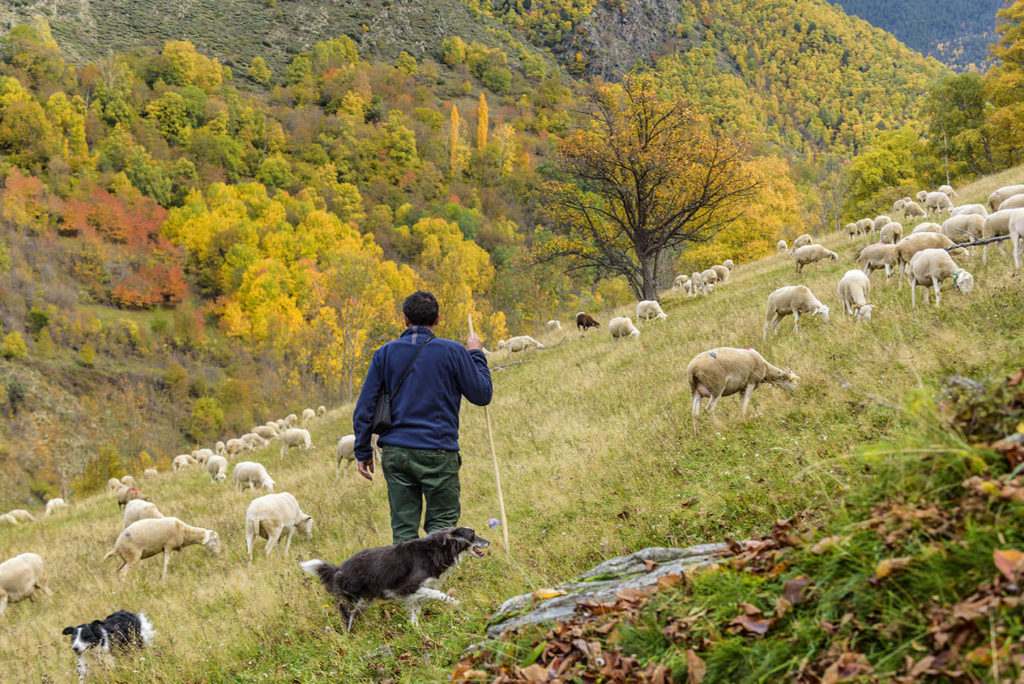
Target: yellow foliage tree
{"points": [[453, 140], [481, 123]]}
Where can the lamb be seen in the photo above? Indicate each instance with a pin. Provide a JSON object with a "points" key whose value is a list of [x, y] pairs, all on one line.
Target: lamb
{"points": [[801, 241], [145, 538], [252, 474], [553, 325], [810, 254], [20, 577], [927, 227], [729, 264], [879, 255], [912, 210], [912, 244], [522, 343], [308, 415], [266, 432], [217, 467], [853, 290], [1017, 237], [679, 281], [269, 516], [725, 370], [126, 494], [1002, 194], [21, 515], [129, 481], [931, 267], [1015, 202], [880, 221], [782, 246], [621, 326], [585, 322], [202, 455], [150, 473], [792, 299], [891, 233], [140, 510], [648, 309], [937, 202], [53, 505], [182, 461], [995, 225], [963, 227], [321, 410], [722, 272]]}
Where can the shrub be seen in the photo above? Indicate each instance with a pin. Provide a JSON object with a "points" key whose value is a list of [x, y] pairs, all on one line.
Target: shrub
{"points": [[87, 356], [13, 346], [36, 320], [206, 421]]}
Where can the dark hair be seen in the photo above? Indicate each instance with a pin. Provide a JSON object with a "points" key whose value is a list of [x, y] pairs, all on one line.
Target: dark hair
{"points": [[421, 308]]}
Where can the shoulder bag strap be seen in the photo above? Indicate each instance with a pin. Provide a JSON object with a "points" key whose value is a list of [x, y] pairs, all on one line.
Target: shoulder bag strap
{"points": [[409, 369]]}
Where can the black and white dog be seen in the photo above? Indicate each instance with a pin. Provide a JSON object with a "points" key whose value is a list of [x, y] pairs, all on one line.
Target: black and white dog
{"points": [[119, 632], [409, 571]]}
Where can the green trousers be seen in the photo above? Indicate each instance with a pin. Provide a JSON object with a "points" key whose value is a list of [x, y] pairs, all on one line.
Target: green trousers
{"points": [[417, 474]]}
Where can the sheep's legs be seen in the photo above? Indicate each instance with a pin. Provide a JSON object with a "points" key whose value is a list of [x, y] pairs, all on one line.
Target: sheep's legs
{"points": [[167, 558], [796, 322], [44, 588], [288, 541], [938, 291], [272, 540], [3, 605], [696, 410], [746, 401], [913, 296]]}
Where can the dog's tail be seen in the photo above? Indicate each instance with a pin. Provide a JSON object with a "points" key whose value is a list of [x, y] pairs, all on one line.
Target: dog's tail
{"points": [[319, 568]]}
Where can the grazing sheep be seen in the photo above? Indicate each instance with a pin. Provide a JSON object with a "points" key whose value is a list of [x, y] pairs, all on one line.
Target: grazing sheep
{"points": [[129, 481], [978, 209], [1015, 202], [113, 484], [1017, 237], [709, 277], [852, 230], [937, 202], [553, 325], [8, 519], [782, 246], [346, 451], [697, 284], [202, 455], [182, 461], [217, 467], [880, 221], [922, 195], [291, 419], [140, 510], [220, 448], [253, 441], [679, 281], [21, 515], [585, 322], [266, 432], [912, 210], [878, 255], [321, 410], [308, 415], [801, 241], [792, 299], [621, 326], [53, 505], [269, 516], [927, 227], [234, 446], [963, 227], [810, 254], [723, 371], [648, 309], [126, 494], [145, 538], [931, 267], [729, 264], [891, 233], [950, 192], [722, 272], [252, 474], [853, 290], [866, 225], [522, 343], [912, 244], [1002, 194], [995, 225], [150, 473], [20, 577], [897, 206]]}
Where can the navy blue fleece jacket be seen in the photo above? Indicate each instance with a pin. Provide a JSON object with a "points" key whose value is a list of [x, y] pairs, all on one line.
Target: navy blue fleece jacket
{"points": [[425, 410]]}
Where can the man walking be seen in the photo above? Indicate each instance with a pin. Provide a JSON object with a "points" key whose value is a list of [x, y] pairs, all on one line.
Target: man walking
{"points": [[420, 453]]}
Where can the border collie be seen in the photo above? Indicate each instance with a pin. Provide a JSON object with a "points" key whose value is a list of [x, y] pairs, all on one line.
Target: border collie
{"points": [[119, 632], [409, 571]]}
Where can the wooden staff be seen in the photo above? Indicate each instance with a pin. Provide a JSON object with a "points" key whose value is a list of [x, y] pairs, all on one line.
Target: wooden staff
{"points": [[494, 460]]}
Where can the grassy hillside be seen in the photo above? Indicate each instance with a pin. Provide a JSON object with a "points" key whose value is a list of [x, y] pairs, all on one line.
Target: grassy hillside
{"points": [[598, 459]]}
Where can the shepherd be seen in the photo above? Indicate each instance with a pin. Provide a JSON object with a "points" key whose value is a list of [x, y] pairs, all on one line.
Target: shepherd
{"points": [[424, 378]]}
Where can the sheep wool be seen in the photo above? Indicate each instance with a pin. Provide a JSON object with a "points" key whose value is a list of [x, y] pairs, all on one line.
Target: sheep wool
{"points": [[853, 291], [891, 232], [217, 468], [308, 415], [878, 255], [795, 300], [295, 437], [810, 254], [140, 510], [801, 241], [649, 309], [932, 267], [269, 516], [927, 227], [522, 343], [252, 474], [963, 227], [146, 538], [725, 370], [912, 244], [995, 225], [20, 577], [1002, 194], [53, 505], [21, 515], [978, 209], [621, 326], [1017, 237]]}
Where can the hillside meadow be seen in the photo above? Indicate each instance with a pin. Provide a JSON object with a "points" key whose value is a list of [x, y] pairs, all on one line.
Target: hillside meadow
{"points": [[598, 459]]}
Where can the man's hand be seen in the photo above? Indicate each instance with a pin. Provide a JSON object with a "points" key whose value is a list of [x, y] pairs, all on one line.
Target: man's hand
{"points": [[473, 342], [366, 469]]}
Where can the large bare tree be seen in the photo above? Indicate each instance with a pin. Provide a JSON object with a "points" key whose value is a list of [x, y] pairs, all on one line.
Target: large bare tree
{"points": [[646, 177]]}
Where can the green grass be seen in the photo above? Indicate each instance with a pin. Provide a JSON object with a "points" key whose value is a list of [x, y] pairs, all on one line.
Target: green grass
{"points": [[598, 458]]}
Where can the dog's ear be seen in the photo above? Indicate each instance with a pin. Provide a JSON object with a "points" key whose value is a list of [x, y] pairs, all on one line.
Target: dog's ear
{"points": [[68, 630]]}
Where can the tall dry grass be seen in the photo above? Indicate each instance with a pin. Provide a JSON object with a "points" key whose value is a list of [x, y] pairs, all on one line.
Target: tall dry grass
{"points": [[597, 456]]}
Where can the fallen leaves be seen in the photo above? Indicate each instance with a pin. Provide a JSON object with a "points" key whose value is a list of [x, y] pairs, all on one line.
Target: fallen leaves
{"points": [[887, 567], [1010, 562], [752, 621], [695, 667], [848, 666]]}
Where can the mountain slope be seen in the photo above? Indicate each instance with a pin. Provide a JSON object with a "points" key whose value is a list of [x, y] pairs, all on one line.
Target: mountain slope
{"points": [[956, 32]]}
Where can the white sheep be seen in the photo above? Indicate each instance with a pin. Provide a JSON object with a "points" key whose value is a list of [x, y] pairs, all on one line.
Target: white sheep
{"points": [[801, 241], [234, 446], [620, 326], [728, 263], [891, 232], [792, 299], [963, 227], [932, 267], [950, 192], [308, 415], [897, 206], [150, 473], [995, 225], [321, 410], [269, 516], [145, 538], [912, 210], [1014, 202], [522, 343], [21, 515], [53, 505], [220, 448], [129, 481], [937, 202], [782, 246], [978, 209], [8, 519], [140, 510], [880, 221], [217, 467], [253, 441], [866, 225], [927, 227], [723, 371], [113, 484], [126, 494], [680, 281], [553, 325], [182, 461], [252, 474], [921, 195], [1017, 237], [648, 309], [852, 230], [853, 291], [291, 419], [809, 254], [1002, 194], [878, 255], [20, 577], [266, 432], [202, 455], [722, 271], [696, 284], [709, 276], [346, 451], [912, 244]]}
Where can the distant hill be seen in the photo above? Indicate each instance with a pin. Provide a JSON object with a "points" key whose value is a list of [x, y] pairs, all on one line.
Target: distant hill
{"points": [[956, 32]]}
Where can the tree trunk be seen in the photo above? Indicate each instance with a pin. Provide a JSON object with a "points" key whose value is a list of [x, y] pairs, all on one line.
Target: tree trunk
{"points": [[649, 271]]}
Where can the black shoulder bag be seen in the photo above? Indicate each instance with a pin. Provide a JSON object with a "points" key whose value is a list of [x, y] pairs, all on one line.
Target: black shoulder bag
{"points": [[382, 412]]}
